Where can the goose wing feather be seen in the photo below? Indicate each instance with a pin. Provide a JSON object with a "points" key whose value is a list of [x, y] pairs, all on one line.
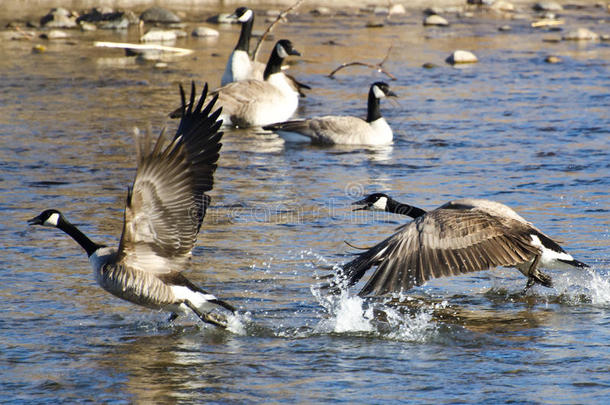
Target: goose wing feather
{"points": [[166, 203], [329, 129], [443, 242]]}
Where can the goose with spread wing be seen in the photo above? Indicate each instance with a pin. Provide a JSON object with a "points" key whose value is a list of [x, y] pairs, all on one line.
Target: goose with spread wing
{"points": [[458, 237], [164, 211]]}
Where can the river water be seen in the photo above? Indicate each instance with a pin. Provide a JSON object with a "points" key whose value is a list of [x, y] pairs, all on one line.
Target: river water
{"points": [[511, 128]]}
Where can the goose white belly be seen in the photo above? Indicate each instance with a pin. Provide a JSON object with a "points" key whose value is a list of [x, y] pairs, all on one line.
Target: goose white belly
{"points": [[239, 67]]}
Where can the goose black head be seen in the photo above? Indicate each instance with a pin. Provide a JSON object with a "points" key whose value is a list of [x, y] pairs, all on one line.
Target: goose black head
{"points": [[47, 218], [242, 14], [373, 202], [284, 47], [381, 90]]}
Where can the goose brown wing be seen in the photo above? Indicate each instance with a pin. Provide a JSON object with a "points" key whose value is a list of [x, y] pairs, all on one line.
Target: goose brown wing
{"points": [[444, 242], [166, 204]]}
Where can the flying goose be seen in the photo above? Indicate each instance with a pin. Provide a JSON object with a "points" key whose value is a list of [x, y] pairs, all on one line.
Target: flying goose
{"points": [[342, 130], [239, 66], [164, 210], [458, 237], [251, 103]]}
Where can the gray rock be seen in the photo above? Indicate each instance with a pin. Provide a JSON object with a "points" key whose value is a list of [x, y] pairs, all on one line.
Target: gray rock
{"points": [[397, 9], [552, 59], [222, 18], [459, 56], [87, 26], [547, 6], [54, 34], [502, 5], [581, 34], [321, 11], [159, 15], [505, 28], [157, 35], [435, 20], [205, 32], [59, 18], [119, 24]]}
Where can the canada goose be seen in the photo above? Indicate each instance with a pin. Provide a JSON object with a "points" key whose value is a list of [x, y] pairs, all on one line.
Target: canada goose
{"points": [[164, 210], [458, 237], [239, 66], [345, 130], [250, 103]]}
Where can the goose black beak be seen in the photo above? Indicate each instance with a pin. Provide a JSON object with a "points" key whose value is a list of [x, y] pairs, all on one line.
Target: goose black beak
{"points": [[365, 206], [35, 221], [294, 52]]}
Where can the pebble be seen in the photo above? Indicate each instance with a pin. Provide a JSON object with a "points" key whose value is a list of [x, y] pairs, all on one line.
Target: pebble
{"points": [[87, 26], [58, 18], [429, 65], [38, 48], [205, 32], [54, 34], [547, 6], [157, 35], [435, 20], [159, 15], [505, 28], [321, 11], [460, 56], [374, 24], [397, 9], [552, 59], [121, 23], [222, 18], [502, 5], [581, 34]]}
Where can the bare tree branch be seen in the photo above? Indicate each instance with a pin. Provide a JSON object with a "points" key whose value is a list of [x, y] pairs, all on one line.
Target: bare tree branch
{"points": [[272, 25], [378, 67]]}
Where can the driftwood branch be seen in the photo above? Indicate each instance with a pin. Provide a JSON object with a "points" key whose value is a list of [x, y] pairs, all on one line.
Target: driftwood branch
{"points": [[144, 47], [378, 67], [272, 25]]}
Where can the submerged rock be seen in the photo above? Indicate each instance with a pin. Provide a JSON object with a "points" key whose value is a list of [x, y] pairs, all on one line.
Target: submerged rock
{"points": [[54, 34], [505, 28], [435, 20], [59, 18], [159, 15], [119, 24], [547, 6], [552, 59], [459, 56], [581, 34], [321, 11], [397, 9], [205, 32], [157, 35]]}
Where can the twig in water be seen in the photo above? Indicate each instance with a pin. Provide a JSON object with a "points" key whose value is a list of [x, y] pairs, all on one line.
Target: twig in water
{"points": [[378, 67], [270, 27]]}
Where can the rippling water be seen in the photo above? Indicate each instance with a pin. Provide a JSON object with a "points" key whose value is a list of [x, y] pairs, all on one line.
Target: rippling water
{"points": [[511, 128]]}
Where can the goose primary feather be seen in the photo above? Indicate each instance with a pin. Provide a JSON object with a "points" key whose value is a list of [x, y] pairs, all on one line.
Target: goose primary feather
{"points": [[164, 211], [458, 237]]}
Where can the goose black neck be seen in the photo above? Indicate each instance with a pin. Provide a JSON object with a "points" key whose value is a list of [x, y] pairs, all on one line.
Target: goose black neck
{"points": [[274, 65], [396, 207], [82, 239], [244, 37], [373, 112]]}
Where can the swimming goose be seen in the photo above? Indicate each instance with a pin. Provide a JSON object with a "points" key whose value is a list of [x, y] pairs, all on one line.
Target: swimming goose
{"points": [[240, 67], [458, 237], [250, 103], [164, 210], [342, 130]]}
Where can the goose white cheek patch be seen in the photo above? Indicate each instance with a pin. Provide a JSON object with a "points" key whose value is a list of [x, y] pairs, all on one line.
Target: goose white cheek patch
{"points": [[281, 51], [53, 220], [378, 92], [380, 204], [246, 17]]}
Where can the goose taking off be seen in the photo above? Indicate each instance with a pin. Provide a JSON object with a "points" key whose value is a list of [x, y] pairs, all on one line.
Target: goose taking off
{"points": [[342, 130], [239, 66], [458, 237], [163, 213]]}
